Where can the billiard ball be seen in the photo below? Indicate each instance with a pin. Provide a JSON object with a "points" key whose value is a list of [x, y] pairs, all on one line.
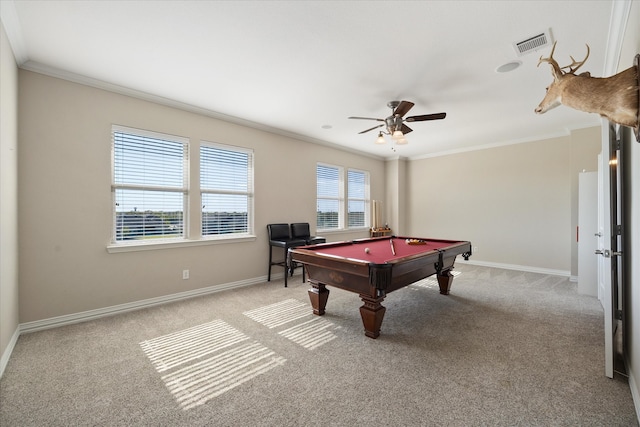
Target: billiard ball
{"points": [[366, 250]]}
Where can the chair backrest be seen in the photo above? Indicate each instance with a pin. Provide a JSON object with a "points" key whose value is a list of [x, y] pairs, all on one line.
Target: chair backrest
{"points": [[278, 231], [300, 229]]}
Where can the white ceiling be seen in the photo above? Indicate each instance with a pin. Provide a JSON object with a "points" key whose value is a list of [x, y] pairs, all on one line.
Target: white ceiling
{"points": [[296, 67]]}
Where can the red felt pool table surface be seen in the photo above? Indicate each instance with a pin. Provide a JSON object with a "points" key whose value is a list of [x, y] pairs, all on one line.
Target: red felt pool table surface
{"points": [[380, 248]]}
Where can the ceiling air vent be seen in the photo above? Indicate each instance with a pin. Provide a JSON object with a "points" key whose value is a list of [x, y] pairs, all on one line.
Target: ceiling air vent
{"points": [[533, 43]]}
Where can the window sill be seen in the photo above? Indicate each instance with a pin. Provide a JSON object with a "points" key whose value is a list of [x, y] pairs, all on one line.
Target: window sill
{"points": [[170, 244]]}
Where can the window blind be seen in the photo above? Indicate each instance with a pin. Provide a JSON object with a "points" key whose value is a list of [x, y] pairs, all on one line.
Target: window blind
{"points": [[328, 188], [226, 185], [357, 195], [149, 185]]}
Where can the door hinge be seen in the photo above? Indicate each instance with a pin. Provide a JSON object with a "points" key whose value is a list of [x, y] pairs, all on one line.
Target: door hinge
{"points": [[618, 230], [618, 314]]}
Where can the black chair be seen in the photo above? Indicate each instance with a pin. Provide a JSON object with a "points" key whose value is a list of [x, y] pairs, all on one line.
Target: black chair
{"points": [[300, 230], [280, 237]]}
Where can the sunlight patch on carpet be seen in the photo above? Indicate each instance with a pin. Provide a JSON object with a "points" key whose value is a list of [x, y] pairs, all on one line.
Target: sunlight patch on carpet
{"points": [[230, 361], [278, 314], [196, 384], [169, 351], [311, 334]]}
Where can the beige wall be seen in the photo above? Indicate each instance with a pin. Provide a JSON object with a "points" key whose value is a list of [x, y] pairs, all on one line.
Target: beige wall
{"points": [[395, 207], [8, 198], [65, 199], [514, 203]]}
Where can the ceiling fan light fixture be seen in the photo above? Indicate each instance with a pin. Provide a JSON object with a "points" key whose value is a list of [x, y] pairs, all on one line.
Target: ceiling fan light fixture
{"points": [[394, 124]]}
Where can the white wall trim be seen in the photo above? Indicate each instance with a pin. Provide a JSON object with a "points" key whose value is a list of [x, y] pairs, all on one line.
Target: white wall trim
{"points": [[50, 71], [560, 134], [69, 319], [524, 268], [617, 27], [635, 394], [4, 360], [12, 27]]}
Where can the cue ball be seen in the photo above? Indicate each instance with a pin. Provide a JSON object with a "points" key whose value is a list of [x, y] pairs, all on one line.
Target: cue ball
{"points": [[366, 250]]}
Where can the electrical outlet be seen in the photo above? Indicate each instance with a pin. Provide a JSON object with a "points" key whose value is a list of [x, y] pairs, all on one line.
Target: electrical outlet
{"points": [[475, 249], [185, 274]]}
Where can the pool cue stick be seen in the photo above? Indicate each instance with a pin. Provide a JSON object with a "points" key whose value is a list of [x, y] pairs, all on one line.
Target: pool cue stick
{"points": [[393, 249]]}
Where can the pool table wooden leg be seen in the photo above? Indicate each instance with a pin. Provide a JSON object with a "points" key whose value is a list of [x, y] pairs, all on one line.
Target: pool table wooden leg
{"points": [[372, 313], [445, 278], [318, 296]]}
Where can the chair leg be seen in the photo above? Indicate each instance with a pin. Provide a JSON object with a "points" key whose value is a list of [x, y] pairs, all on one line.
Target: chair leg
{"points": [[270, 252], [286, 266]]}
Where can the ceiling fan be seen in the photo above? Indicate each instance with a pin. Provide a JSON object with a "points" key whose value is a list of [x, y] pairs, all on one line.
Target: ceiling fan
{"points": [[395, 123]]}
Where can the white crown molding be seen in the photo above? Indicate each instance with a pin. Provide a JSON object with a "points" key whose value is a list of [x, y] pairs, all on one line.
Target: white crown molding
{"points": [[11, 23], [617, 26], [566, 132], [39, 68]]}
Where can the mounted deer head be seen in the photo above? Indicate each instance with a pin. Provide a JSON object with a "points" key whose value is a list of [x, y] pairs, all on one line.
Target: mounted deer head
{"points": [[615, 97]]}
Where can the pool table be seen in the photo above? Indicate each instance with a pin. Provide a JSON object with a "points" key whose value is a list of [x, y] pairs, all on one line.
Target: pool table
{"points": [[374, 267]]}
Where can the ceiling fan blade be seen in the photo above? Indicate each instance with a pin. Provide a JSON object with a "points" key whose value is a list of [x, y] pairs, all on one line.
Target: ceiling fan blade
{"points": [[437, 116], [403, 108], [375, 127], [405, 129], [366, 118]]}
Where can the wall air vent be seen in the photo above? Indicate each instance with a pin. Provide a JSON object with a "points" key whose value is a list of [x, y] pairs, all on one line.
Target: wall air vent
{"points": [[533, 43]]}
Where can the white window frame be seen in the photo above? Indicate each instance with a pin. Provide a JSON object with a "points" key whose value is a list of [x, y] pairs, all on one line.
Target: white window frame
{"points": [[366, 199], [342, 199], [192, 233], [249, 192], [184, 189]]}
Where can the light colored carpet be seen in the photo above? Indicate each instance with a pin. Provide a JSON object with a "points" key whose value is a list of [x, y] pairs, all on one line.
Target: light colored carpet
{"points": [[506, 348]]}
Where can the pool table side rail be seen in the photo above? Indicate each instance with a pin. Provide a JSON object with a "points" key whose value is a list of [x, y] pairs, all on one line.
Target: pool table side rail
{"points": [[370, 278]]}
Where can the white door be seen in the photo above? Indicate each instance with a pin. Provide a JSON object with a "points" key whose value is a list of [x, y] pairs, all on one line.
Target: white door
{"points": [[587, 233]]}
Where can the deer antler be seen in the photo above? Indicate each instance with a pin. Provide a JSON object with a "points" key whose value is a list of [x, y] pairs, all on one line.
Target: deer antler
{"points": [[552, 62], [573, 67], [576, 63]]}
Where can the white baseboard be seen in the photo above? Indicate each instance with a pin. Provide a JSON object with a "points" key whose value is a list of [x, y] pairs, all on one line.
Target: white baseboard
{"points": [[84, 316], [525, 268], [7, 352], [635, 394]]}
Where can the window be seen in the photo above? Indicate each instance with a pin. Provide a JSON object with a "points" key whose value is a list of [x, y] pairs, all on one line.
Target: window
{"points": [[149, 185], [358, 198], [329, 197], [226, 185], [331, 208]]}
